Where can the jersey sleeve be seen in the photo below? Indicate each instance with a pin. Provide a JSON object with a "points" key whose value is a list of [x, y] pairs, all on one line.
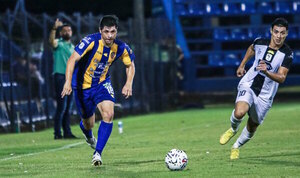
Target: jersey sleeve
{"points": [[256, 41], [127, 57], [85, 45], [287, 61]]}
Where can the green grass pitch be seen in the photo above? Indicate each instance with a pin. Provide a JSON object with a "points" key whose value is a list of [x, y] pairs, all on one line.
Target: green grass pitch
{"points": [[140, 150]]}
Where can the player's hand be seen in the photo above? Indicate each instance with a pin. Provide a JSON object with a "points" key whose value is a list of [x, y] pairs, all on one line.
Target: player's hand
{"points": [[67, 90], [262, 66], [57, 23], [127, 90], [240, 71]]}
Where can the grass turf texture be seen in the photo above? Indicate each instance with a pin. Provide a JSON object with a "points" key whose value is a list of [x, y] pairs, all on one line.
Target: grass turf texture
{"points": [[140, 150]]}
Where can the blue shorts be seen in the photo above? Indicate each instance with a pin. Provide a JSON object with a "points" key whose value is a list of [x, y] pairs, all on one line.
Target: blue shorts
{"points": [[87, 99]]}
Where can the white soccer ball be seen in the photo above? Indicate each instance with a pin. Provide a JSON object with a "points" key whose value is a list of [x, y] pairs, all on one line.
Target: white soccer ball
{"points": [[176, 160]]}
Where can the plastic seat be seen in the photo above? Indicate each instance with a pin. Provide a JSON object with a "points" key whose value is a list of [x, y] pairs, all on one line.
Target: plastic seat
{"points": [[254, 33], [181, 9], [247, 8], [265, 8], [196, 9], [221, 34], [212, 9], [293, 33], [296, 7], [283, 7], [215, 60], [296, 59], [238, 34], [232, 59], [230, 8]]}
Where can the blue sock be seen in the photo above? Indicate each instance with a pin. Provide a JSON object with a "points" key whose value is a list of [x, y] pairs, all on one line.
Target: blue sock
{"points": [[103, 135], [87, 133]]}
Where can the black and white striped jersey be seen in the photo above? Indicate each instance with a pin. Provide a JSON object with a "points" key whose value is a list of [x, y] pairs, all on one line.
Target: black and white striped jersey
{"points": [[262, 85]]}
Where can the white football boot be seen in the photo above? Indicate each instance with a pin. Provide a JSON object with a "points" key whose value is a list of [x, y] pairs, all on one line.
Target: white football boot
{"points": [[96, 161]]}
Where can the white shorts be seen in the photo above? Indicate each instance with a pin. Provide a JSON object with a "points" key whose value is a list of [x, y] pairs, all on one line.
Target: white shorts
{"points": [[258, 106]]}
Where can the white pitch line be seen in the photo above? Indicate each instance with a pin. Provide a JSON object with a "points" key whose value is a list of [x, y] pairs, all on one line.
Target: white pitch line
{"points": [[46, 151]]}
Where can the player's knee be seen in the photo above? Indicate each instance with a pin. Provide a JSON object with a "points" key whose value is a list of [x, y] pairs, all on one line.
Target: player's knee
{"points": [[108, 116], [239, 113]]}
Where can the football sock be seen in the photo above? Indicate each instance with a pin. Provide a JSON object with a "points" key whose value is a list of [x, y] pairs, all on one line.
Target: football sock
{"points": [[87, 133], [243, 138], [235, 123], [103, 135]]}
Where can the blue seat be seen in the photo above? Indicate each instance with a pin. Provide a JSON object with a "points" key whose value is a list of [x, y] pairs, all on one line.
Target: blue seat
{"points": [[296, 59], [265, 8], [267, 33], [181, 9], [196, 9], [215, 60], [230, 8], [232, 59], [238, 34], [212, 9], [296, 7], [221, 34], [254, 33], [247, 8], [293, 33], [283, 7]]}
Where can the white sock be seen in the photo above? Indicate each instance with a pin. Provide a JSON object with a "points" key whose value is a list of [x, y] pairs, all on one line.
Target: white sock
{"points": [[243, 138], [235, 123]]}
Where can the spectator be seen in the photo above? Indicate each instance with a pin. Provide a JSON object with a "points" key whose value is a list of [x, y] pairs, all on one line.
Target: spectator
{"points": [[63, 49]]}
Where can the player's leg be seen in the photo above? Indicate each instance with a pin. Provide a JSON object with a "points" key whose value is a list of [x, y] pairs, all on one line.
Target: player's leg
{"points": [[86, 126], [241, 108], [106, 109], [257, 113], [86, 109], [243, 101], [245, 136]]}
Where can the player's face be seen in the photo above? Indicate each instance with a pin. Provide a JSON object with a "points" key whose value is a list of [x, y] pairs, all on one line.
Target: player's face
{"points": [[108, 34], [278, 35], [66, 33]]}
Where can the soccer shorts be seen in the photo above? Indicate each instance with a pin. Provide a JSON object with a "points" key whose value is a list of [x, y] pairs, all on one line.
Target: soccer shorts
{"points": [[87, 99], [258, 106]]}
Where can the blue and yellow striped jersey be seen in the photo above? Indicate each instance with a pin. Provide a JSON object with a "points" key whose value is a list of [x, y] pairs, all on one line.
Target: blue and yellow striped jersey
{"points": [[93, 67]]}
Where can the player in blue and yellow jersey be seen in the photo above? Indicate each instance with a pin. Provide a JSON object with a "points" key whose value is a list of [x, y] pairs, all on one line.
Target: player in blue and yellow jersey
{"points": [[87, 74]]}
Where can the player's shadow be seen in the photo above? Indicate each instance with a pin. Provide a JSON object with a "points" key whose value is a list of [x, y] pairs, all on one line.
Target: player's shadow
{"points": [[267, 159]]}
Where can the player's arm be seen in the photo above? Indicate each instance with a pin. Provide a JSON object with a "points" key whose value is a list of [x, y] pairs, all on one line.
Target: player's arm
{"points": [[67, 90], [130, 72], [53, 42], [279, 77], [249, 54]]}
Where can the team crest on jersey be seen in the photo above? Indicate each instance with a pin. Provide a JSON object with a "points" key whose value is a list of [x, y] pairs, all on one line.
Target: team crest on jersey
{"points": [[112, 55]]}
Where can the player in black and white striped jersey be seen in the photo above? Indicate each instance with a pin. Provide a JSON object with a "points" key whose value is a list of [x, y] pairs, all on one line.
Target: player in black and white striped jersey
{"points": [[257, 88]]}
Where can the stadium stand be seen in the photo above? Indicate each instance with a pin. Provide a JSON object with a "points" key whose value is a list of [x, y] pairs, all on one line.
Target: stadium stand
{"points": [[218, 33]]}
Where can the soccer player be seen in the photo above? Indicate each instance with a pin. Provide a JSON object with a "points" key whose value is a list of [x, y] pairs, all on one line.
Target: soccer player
{"points": [[88, 75], [257, 88]]}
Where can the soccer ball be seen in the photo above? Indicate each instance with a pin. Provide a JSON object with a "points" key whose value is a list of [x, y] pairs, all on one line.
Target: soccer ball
{"points": [[176, 160]]}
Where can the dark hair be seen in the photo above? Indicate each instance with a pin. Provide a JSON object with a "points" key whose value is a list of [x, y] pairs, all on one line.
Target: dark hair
{"points": [[65, 25], [109, 21], [281, 22]]}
